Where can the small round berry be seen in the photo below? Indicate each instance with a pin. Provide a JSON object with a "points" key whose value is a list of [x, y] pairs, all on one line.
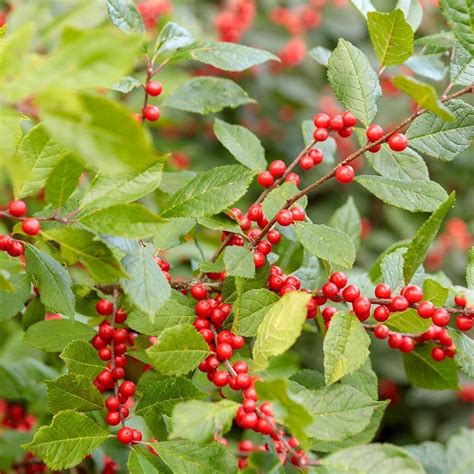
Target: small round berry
{"points": [[259, 259], [265, 179], [350, 293], [31, 226], [224, 351], [293, 281], [374, 133], [437, 354], [345, 174], [381, 331], [361, 307], [464, 323], [118, 373], [321, 134], [330, 290], [399, 303], [298, 213], [375, 148], [207, 334], [287, 289], [105, 354], [153, 88], [120, 316], [339, 279], [460, 300], [255, 212], [345, 132], [407, 345], [112, 404], [293, 178], [426, 309], [395, 340], [240, 367], [17, 208], [125, 435], [120, 335], [151, 113], [16, 249], [5, 242], [277, 168], [337, 123], [127, 388], [381, 313], [397, 142], [322, 120], [349, 119], [220, 378], [266, 409], [440, 317], [237, 342], [306, 162], [274, 236], [242, 381], [136, 436], [316, 155], [203, 309], [112, 418], [98, 343], [104, 307], [275, 282], [198, 292], [249, 421], [413, 294], [328, 312], [383, 291], [264, 247], [106, 331], [284, 217]]}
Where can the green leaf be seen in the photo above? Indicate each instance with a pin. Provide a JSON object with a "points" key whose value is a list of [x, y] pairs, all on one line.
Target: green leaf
{"points": [[133, 221], [91, 58], [13, 50], [424, 372], [81, 358], [431, 455], [126, 84], [391, 36], [424, 237], [404, 165], [470, 269], [327, 243], [429, 66], [242, 143], [460, 16], [80, 245], [73, 392], [198, 421], [68, 440], [459, 456], [437, 42], [289, 408], [179, 350], [345, 347], [414, 196], [107, 191], [328, 147], [464, 357], [188, 458], [52, 280], [413, 12], [125, 16], [338, 412], [226, 56], [280, 328], [461, 67], [146, 286], [204, 95], [363, 6], [424, 95], [98, 130], [239, 262], [171, 37], [141, 461], [354, 81], [364, 380], [320, 55], [250, 309], [372, 459], [443, 140], [12, 302], [209, 192], [62, 181], [170, 232], [38, 155], [220, 222], [162, 395], [347, 219], [277, 198]]}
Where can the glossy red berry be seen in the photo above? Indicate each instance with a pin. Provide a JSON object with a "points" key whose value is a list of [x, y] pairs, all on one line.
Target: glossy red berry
{"points": [[120, 316], [242, 381], [306, 162], [293, 178], [31, 226], [374, 133], [203, 309], [437, 354], [381, 331], [240, 367], [383, 291], [98, 342], [274, 236], [460, 300], [407, 345], [104, 307], [136, 436], [265, 179], [17, 208], [399, 303], [413, 294], [321, 134], [127, 388], [395, 340], [440, 317], [15, 249], [328, 312], [337, 123], [125, 435], [106, 331], [316, 155], [120, 335], [293, 281], [375, 148], [345, 174], [322, 120], [154, 88], [255, 212], [350, 293], [339, 279], [112, 418], [151, 113], [464, 323], [237, 342], [349, 119], [259, 259], [112, 404], [277, 168], [224, 351], [105, 354], [397, 142], [426, 309], [220, 378], [275, 282], [198, 292], [298, 213], [284, 217], [361, 307], [345, 132], [330, 290], [381, 313]]}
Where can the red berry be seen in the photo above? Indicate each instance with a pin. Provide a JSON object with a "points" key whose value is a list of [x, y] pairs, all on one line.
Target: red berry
{"points": [[330, 290], [293, 281], [237, 342], [381, 331], [198, 292], [339, 279], [112, 418], [249, 405], [125, 435], [118, 373], [349, 119], [112, 404], [337, 123], [242, 381], [106, 331], [240, 367], [397, 142], [284, 217], [277, 168], [105, 378], [361, 307], [375, 148], [316, 155], [264, 427], [345, 174], [136, 436], [395, 340], [460, 300], [383, 291], [350, 293], [120, 335], [437, 354], [298, 213], [220, 378], [381, 313], [154, 88], [440, 317], [275, 282], [224, 351], [120, 316], [249, 421], [464, 323], [321, 120], [306, 162], [259, 259], [328, 312], [127, 388], [426, 309], [203, 309], [321, 134], [399, 303], [151, 113], [105, 354], [5, 242], [274, 236], [374, 133], [286, 289], [212, 362], [207, 334], [345, 132], [104, 307], [98, 342], [255, 212], [408, 344], [265, 179], [16, 249], [31, 226], [17, 208], [293, 178], [413, 294]]}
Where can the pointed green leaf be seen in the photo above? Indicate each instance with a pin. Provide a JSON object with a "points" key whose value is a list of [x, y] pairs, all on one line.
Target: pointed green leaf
{"points": [[277, 198], [239, 262], [462, 67], [12, 302], [125, 16], [171, 37], [62, 181], [459, 456], [347, 219], [413, 11], [141, 461], [464, 351], [82, 359], [460, 16]]}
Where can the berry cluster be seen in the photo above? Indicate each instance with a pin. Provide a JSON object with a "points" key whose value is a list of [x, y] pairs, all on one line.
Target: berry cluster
{"points": [[164, 265], [112, 344], [151, 112], [152, 10], [235, 19], [14, 416], [300, 19], [396, 141]]}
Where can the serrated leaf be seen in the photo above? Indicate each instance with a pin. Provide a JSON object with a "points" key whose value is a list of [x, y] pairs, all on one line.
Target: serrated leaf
{"points": [[354, 81], [424, 372], [424, 95], [106, 191], [126, 85], [414, 196], [320, 55], [69, 439], [413, 12], [424, 237], [179, 350], [170, 232], [209, 192], [55, 334], [220, 222], [242, 143], [52, 280], [347, 219], [62, 181], [464, 351], [459, 452], [239, 262], [443, 140], [470, 269], [327, 243], [198, 421], [250, 310], [73, 392], [280, 328], [391, 36], [364, 380], [125, 16], [141, 461], [12, 302], [171, 37], [437, 42], [277, 198], [226, 56], [345, 347], [205, 95], [81, 358], [461, 67], [430, 66], [391, 268], [188, 458], [460, 16]]}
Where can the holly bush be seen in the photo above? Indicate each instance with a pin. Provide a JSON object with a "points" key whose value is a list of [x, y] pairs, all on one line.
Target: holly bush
{"points": [[219, 243]]}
